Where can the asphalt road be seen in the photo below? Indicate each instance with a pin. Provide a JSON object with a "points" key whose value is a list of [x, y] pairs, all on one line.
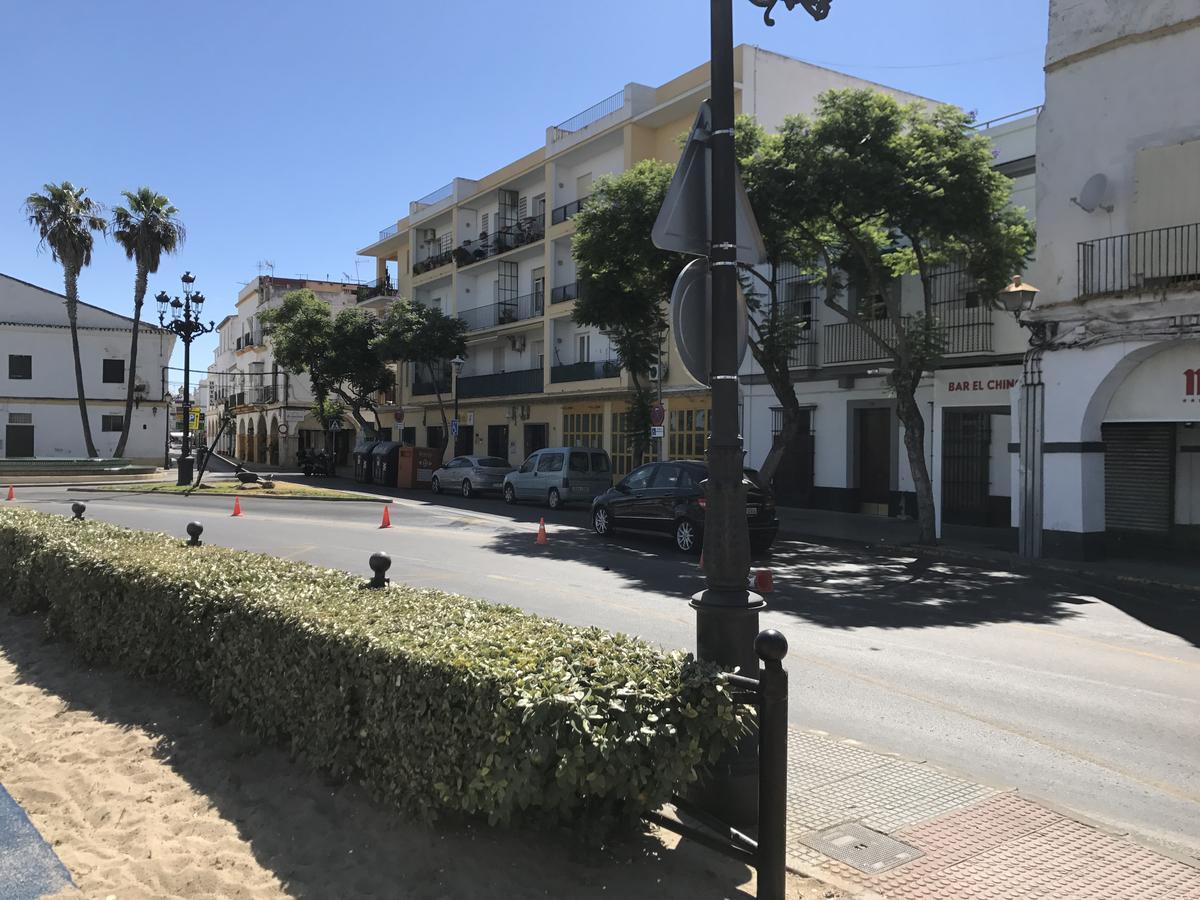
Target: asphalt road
{"points": [[1083, 695]]}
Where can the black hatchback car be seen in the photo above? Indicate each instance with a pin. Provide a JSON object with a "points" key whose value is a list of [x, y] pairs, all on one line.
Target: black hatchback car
{"points": [[668, 498]]}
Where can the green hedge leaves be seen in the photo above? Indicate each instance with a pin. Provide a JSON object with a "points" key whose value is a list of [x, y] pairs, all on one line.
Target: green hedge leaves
{"points": [[438, 703]]}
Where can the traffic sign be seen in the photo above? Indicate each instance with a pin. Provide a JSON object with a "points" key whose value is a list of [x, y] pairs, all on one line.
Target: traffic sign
{"points": [[454, 427], [335, 425], [691, 316], [658, 415], [656, 431], [684, 223]]}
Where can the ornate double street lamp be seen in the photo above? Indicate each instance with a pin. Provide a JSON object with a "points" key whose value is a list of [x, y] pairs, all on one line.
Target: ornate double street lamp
{"points": [[186, 325], [726, 611]]}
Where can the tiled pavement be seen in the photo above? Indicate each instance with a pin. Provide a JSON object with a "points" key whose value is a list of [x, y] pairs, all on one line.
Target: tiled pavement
{"points": [[975, 843]]}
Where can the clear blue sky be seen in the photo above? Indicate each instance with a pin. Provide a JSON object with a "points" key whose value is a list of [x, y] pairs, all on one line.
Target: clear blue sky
{"points": [[293, 132]]}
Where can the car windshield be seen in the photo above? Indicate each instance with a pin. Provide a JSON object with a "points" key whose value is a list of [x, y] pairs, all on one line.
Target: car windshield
{"points": [[493, 462]]}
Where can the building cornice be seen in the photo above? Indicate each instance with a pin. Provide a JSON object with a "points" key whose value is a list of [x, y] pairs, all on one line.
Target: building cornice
{"points": [[1122, 41]]}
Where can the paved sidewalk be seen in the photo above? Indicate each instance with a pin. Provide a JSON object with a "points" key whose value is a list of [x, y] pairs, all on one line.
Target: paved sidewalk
{"points": [[907, 831]]}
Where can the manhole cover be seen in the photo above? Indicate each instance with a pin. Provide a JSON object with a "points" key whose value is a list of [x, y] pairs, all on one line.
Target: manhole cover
{"points": [[860, 847]]}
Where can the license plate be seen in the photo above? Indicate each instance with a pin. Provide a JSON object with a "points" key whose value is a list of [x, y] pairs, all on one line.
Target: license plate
{"points": [[751, 510]]}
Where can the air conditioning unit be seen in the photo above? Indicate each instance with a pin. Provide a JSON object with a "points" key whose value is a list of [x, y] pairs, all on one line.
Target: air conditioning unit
{"points": [[517, 341], [429, 235], [658, 371]]}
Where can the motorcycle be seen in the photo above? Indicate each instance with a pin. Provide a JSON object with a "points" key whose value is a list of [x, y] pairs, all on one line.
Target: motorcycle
{"points": [[316, 462]]}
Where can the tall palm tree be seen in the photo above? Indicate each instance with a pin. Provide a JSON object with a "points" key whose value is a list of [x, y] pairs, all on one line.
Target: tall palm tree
{"points": [[147, 227], [66, 220]]}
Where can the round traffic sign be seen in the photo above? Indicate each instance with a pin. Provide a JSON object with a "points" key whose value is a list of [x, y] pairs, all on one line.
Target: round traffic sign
{"points": [[658, 415]]}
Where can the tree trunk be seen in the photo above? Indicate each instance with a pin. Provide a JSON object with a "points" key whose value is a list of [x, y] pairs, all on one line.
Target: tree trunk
{"points": [[139, 297], [914, 442], [72, 285], [639, 418], [781, 384]]}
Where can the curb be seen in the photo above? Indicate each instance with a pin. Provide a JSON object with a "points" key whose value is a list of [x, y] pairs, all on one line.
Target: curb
{"points": [[352, 498]]}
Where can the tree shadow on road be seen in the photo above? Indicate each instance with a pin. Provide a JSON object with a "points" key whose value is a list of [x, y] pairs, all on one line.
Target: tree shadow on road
{"points": [[836, 587], [321, 838]]}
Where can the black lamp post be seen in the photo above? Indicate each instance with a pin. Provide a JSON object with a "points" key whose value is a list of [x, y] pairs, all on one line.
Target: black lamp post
{"points": [[186, 325], [726, 611], [457, 365]]}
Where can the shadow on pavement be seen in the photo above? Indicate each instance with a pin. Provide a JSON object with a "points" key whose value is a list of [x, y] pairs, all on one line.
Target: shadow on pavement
{"points": [[313, 833]]}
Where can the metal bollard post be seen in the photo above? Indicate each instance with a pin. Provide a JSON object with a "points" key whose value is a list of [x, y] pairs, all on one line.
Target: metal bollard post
{"points": [[79, 509], [771, 647], [380, 563], [194, 530]]}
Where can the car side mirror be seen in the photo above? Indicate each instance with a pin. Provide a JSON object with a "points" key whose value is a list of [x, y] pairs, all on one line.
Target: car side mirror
{"points": [[623, 487]]}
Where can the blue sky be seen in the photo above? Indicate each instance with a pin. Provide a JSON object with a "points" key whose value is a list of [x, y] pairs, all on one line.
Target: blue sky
{"points": [[293, 132]]}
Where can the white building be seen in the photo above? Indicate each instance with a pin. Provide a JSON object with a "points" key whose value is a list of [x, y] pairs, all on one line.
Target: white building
{"points": [[1109, 451], [38, 398], [273, 408], [853, 458]]}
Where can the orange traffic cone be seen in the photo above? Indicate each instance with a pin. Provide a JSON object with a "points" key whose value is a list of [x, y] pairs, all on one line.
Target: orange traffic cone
{"points": [[11, 494], [764, 581], [387, 519], [237, 506], [541, 538], [701, 559]]}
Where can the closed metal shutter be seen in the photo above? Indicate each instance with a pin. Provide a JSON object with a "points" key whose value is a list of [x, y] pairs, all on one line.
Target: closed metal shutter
{"points": [[1139, 480]]}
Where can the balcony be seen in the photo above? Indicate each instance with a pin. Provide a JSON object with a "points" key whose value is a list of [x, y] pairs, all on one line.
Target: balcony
{"points": [[503, 384], [847, 343], [518, 309], [525, 231], [803, 355], [967, 329], [388, 232], [1142, 263], [561, 213], [584, 371], [429, 388], [433, 261], [380, 287], [564, 292]]}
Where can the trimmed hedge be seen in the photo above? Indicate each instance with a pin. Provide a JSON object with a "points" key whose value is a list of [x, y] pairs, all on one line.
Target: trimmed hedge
{"points": [[437, 703]]}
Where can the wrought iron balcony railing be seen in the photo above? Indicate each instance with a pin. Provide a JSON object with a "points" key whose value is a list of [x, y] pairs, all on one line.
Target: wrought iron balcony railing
{"points": [[1141, 263], [584, 371], [518, 309], [564, 292], [567, 210], [433, 261], [525, 231], [502, 384], [378, 288]]}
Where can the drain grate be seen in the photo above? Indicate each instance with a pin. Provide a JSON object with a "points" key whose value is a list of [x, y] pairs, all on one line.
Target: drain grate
{"points": [[860, 847]]}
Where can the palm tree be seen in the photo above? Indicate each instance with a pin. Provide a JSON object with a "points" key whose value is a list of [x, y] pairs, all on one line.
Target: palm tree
{"points": [[146, 228], [66, 219]]}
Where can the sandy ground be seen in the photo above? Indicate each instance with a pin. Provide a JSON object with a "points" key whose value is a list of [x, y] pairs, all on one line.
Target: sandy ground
{"points": [[144, 798]]}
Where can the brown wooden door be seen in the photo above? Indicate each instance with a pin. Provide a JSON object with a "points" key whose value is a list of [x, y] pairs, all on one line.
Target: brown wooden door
{"points": [[874, 456], [537, 436]]}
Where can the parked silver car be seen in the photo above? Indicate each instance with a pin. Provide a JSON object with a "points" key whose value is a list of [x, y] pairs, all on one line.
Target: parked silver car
{"points": [[558, 474], [470, 475]]}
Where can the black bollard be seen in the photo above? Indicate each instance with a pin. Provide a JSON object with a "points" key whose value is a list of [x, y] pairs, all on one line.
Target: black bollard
{"points": [[79, 509], [380, 563], [194, 530], [771, 647]]}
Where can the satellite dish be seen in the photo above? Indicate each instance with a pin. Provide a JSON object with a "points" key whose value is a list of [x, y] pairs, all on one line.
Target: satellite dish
{"points": [[1091, 197]]}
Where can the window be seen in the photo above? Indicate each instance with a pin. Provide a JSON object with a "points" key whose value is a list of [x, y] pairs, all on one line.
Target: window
{"points": [[583, 348], [668, 477], [583, 429], [600, 463], [114, 371], [622, 446], [579, 462], [20, 418], [550, 462], [483, 224], [20, 368], [639, 479], [527, 466], [493, 462], [688, 433], [111, 423], [433, 436]]}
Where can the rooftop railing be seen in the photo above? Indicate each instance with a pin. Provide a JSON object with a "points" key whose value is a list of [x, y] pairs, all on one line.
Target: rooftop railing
{"points": [[1141, 263], [593, 113], [442, 193], [389, 231]]}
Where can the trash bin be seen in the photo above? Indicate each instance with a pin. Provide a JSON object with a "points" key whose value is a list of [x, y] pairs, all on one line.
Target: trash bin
{"points": [[362, 462], [385, 457]]}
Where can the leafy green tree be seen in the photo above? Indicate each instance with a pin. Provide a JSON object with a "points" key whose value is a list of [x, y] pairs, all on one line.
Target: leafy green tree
{"points": [[624, 280], [66, 221], [146, 227], [339, 353], [427, 339], [871, 191]]}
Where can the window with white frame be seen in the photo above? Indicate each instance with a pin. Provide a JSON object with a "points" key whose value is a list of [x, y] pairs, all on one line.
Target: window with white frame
{"points": [[583, 347]]}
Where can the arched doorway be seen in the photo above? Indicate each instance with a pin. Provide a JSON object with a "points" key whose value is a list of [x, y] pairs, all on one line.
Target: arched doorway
{"points": [[260, 446], [249, 454], [241, 439], [273, 442]]}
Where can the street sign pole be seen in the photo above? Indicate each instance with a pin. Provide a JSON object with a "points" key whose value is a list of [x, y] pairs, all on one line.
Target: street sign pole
{"points": [[726, 612]]}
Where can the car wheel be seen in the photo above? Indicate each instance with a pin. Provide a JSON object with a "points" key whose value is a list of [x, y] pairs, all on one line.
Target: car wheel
{"points": [[553, 500], [687, 536], [601, 521], [467, 490], [510, 495], [436, 486]]}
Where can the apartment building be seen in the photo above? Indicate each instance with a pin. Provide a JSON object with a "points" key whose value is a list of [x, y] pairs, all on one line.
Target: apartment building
{"points": [[272, 407], [852, 458], [39, 403], [1110, 396], [496, 252]]}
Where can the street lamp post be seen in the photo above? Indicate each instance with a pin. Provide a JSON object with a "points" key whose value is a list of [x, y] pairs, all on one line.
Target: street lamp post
{"points": [[726, 611], [457, 365], [186, 325]]}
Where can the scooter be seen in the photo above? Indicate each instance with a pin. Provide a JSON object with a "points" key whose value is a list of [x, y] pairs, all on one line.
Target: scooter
{"points": [[316, 462]]}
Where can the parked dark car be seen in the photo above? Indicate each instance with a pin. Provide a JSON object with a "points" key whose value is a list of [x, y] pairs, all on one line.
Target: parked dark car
{"points": [[668, 498]]}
